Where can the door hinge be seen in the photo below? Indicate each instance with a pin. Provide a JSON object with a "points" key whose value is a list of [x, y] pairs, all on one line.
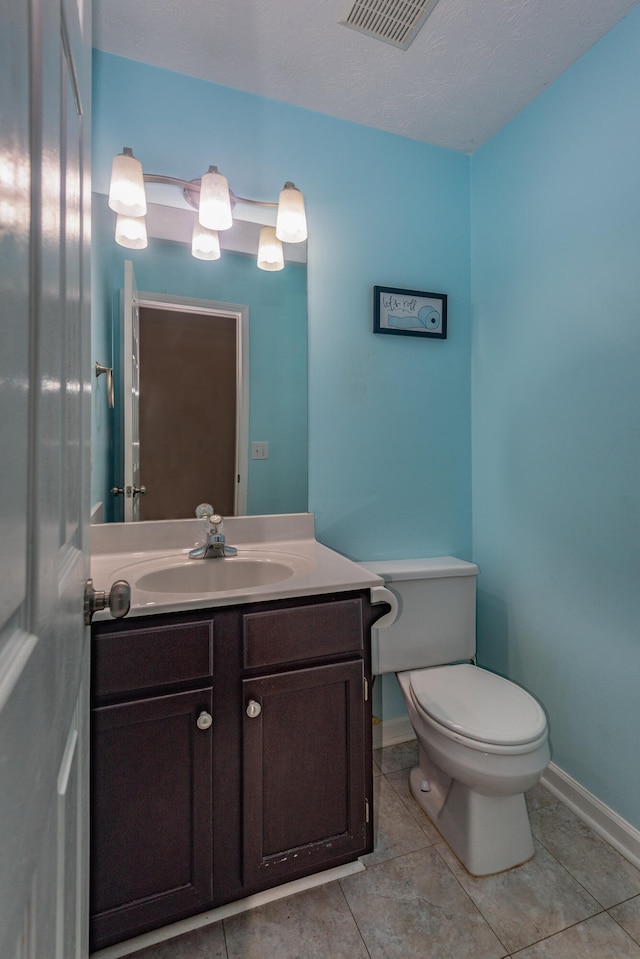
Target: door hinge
{"points": [[366, 690], [366, 811]]}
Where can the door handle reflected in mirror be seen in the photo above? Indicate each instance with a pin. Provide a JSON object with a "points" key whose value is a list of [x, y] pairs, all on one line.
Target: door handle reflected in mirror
{"points": [[129, 490]]}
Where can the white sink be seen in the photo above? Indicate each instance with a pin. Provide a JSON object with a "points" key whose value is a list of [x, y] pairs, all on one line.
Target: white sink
{"points": [[278, 558], [212, 575]]}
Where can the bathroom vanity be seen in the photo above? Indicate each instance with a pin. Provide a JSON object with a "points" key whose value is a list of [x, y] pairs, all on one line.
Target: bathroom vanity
{"points": [[231, 739]]}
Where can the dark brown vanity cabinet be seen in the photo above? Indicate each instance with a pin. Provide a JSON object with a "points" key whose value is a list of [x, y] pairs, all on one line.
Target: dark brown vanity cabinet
{"points": [[231, 752], [151, 774], [305, 749]]}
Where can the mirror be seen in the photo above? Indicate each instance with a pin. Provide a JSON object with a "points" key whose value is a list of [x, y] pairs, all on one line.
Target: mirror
{"points": [[276, 361]]}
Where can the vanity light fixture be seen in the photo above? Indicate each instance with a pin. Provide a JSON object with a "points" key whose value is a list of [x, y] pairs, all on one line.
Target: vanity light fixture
{"points": [[205, 244], [131, 231], [291, 223], [126, 191], [214, 211], [211, 197], [270, 252]]}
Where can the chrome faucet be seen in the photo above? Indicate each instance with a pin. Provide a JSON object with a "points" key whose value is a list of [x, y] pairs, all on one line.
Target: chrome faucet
{"points": [[214, 546]]}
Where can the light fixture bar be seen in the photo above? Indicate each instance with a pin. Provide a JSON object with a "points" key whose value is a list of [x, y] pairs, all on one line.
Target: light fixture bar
{"points": [[211, 196]]}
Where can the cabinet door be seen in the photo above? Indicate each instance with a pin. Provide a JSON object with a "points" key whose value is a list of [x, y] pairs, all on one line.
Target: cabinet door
{"points": [[151, 855], [303, 772]]}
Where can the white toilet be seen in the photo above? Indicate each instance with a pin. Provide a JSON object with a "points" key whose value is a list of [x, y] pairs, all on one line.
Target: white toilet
{"points": [[482, 740]]}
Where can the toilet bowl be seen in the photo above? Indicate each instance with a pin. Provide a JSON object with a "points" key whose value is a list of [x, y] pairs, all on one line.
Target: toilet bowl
{"points": [[471, 784], [482, 740]]}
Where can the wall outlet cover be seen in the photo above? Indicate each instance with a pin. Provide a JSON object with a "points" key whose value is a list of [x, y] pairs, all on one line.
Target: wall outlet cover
{"points": [[259, 451]]}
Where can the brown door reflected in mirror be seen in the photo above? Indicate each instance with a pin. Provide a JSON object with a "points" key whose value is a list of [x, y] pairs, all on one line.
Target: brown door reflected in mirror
{"points": [[188, 364]]}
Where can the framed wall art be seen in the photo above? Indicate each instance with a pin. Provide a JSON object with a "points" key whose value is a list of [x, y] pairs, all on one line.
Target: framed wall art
{"points": [[409, 312]]}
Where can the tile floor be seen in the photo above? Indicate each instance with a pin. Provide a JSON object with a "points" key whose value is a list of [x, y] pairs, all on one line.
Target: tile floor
{"points": [[577, 899]]}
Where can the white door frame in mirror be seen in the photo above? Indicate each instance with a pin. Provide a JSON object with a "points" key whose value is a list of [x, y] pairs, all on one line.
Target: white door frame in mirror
{"points": [[130, 360], [240, 313]]}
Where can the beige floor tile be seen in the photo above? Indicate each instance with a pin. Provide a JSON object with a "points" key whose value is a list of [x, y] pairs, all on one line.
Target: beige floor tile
{"points": [[316, 924], [528, 903], [628, 915], [607, 875], [400, 756], [400, 783], [538, 796], [395, 830], [205, 943], [596, 938], [413, 907]]}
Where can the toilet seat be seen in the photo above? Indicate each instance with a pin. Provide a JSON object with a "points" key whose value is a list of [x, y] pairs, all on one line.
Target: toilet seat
{"points": [[468, 702]]}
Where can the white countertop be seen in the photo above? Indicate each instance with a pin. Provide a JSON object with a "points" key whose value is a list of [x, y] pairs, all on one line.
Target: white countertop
{"points": [[129, 550]]}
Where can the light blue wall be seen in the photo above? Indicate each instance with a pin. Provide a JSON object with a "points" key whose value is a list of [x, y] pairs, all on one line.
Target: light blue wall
{"points": [[277, 340], [554, 228], [389, 416], [389, 459], [556, 410]]}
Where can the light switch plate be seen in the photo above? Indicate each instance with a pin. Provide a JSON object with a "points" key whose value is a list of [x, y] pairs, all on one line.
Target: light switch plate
{"points": [[259, 451]]}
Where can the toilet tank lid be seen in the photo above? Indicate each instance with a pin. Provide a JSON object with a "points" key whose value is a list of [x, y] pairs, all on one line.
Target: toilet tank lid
{"points": [[429, 568]]}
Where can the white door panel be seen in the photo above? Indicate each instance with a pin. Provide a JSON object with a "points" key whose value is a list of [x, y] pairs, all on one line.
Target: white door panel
{"points": [[44, 503], [15, 220]]}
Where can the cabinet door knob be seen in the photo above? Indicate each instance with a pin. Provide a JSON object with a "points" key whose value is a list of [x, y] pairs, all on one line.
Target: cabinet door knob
{"points": [[253, 709], [204, 720]]}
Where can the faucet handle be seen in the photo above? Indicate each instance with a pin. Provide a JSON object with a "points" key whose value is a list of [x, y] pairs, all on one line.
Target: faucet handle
{"points": [[214, 520]]}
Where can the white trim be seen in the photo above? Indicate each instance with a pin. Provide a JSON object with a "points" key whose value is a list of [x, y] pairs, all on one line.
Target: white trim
{"points": [[392, 731], [601, 818], [230, 909], [130, 380]]}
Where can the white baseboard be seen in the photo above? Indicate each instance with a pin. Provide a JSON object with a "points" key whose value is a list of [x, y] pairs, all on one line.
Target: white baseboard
{"points": [[392, 731], [603, 820], [231, 909]]}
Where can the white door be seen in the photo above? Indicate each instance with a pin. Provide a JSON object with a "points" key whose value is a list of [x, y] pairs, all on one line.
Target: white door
{"points": [[130, 366], [45, 93]]}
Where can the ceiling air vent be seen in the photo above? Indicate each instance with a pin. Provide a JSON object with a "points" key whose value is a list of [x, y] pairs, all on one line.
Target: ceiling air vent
{"points": [[393, 21]]}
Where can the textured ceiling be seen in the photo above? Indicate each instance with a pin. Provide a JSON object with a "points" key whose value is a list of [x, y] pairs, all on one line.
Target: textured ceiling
{"points": [[474, 65]]}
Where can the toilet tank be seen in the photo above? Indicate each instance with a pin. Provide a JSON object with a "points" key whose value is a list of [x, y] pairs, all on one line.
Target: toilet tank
{"points": [[436, 620]]}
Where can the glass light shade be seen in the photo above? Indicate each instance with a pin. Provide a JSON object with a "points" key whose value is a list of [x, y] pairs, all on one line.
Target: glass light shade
{"points": [[131, 231], [205, 244], [270, 252], [291, 222], [215, 205], [126, 191]]}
